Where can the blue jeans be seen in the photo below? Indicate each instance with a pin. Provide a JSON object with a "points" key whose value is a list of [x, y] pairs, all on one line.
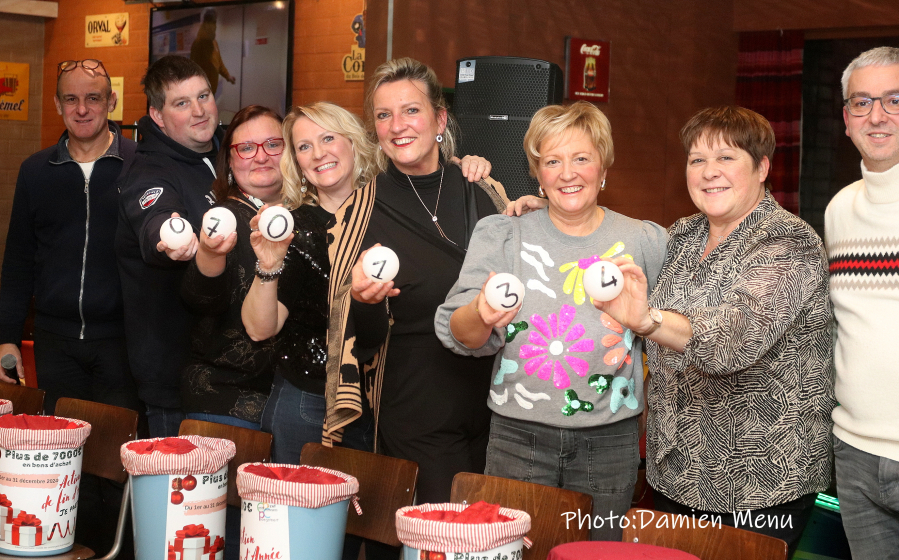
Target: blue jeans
{"points": [[223, 419], [164, 422], [295, 417], [868, 489], [600, 461]]}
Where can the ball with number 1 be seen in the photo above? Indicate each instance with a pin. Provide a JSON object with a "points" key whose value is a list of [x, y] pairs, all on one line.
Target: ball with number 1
{"points": [[380, 264]]}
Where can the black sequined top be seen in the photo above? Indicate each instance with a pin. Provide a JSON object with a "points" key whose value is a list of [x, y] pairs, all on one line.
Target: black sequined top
{"points": [[229, 373]]}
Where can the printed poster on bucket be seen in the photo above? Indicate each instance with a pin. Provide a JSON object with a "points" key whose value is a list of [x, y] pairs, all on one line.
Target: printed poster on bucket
{"points": [[264, 531], [195, 516], [510, 551], [39, 499]]}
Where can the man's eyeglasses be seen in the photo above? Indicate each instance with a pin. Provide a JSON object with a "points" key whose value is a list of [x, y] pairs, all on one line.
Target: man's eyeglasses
{"points": [[862, 106], [248, 150], [88, 64]]}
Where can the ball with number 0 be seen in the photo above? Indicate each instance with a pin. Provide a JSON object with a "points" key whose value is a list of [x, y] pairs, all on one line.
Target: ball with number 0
{"points": [[603, 281], [380, 264], [176, 232], [219, 221], [275, 223], [504, 292]]}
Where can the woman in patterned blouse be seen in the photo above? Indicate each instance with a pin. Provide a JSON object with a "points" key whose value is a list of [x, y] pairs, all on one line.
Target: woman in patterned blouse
{"points": [[739, 344]]}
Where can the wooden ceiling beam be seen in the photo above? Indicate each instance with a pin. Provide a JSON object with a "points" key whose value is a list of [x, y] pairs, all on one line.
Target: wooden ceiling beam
{"points": [[39, 8]]}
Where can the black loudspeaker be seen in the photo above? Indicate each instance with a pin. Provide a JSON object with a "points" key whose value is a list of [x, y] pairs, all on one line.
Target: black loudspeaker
{"points": [[495, 98]]}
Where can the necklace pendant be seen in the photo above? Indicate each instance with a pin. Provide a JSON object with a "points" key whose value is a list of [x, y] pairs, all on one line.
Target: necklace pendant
{"points": [[434, 219]]}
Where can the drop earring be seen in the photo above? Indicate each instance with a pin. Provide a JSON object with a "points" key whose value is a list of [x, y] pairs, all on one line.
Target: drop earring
{"points": [[303, 187], [540, 192], [439, 138], [602, 187], [230, 177]]}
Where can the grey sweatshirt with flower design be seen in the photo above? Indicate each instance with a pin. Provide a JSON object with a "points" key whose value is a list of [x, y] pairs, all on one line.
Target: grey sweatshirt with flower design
{"points": [[561, 362]]}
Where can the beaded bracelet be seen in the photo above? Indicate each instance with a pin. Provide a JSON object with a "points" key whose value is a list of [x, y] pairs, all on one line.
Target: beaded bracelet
{"points": [[268, 276]]}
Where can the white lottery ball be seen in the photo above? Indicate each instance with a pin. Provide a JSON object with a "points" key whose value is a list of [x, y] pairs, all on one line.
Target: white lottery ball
{"points": [[275, 223], [603, 281], [176, 232], [504, 292], [219, 221], [380, 264]]}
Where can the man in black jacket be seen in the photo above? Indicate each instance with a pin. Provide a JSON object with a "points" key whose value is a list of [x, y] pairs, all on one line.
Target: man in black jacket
{"points": [[171, 176], [60, 249]]}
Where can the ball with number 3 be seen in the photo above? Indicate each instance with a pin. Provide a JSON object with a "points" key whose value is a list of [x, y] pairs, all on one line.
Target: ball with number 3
{"points": [[504, 292], [380, 264]]}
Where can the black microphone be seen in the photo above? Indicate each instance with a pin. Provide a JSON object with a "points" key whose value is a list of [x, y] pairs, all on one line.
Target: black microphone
{"points": [[8, 363]]}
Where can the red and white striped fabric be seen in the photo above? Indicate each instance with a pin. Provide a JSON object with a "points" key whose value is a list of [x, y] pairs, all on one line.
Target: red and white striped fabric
{"points": [[63, 438], [210, 455], [424, 534], [263, 489], [5, 407]]}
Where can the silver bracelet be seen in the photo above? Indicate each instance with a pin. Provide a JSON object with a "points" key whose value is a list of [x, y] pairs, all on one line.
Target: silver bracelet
{"points": [[268, 276]]}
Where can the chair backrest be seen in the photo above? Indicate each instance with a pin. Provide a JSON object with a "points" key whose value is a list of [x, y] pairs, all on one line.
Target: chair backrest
{"points": [[546, 505], [385, 485], [111, 427], [708, 543], [25, 400], [253, 446]]}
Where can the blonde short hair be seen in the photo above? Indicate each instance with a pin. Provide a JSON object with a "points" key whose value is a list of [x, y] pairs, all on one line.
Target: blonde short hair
{"points": [[553, 121], [335, 119], [410, 69]]}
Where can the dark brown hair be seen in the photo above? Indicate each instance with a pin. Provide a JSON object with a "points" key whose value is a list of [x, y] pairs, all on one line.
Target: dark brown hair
{"points": [[168, 70], [220, 187], [735, 126]]}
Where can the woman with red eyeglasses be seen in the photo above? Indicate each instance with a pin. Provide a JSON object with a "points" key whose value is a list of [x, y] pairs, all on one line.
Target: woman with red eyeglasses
{"points": [[229, 376]]}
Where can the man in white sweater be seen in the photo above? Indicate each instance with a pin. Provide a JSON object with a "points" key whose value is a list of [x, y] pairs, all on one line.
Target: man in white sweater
{"points": [[862, 238]]}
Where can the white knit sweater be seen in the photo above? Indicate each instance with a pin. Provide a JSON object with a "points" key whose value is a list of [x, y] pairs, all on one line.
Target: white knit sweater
{"points": [[862, 239]]}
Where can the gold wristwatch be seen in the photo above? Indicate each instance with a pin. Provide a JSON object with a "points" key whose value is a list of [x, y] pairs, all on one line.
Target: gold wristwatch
{"points": [[656, 317]]}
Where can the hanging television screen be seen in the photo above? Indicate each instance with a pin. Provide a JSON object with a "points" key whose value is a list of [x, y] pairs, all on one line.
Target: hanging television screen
{"points": [[245, 48]]}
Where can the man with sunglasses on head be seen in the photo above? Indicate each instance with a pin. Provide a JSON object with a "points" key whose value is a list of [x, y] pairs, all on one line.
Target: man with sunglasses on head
{"points": [[171, 177], [861, 231], [60, 249]]}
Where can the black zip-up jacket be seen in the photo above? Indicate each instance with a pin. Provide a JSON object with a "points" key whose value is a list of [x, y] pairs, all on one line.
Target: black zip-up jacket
{"points": [[60, 245], [166, 177]]}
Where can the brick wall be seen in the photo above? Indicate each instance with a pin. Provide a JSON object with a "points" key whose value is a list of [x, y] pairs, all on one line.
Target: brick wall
{"points": [[21, 40], [322, 37]]}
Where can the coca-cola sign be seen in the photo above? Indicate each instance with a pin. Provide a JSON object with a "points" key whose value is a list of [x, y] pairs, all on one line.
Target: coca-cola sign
{"points": [[587, 70]]}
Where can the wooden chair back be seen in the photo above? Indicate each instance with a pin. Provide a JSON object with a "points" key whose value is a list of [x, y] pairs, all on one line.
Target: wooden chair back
{"points": [[545, 504], [25, 400], [385, 485], [253, 446], [111, 427], [720, 542]]}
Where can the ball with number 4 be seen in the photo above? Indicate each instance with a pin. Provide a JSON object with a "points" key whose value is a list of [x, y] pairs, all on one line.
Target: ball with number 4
{"points": [[219, 221], [603, 281], [504, 292], [380, 264]]}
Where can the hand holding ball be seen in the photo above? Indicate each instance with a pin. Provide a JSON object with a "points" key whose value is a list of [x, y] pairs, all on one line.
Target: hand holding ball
{"points": [[275, 223], [176, 233], [504, 292], [219, 221], [380, 264], [603, 281]]}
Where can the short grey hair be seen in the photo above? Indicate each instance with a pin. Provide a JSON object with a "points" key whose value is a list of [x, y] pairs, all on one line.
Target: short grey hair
{"points": [[881, 56]]}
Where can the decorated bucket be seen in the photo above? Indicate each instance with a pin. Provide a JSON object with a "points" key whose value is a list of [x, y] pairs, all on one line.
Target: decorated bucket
{"points": [[294, 512], [480, 531], [40, 471], [180, 493], [5, 407]]}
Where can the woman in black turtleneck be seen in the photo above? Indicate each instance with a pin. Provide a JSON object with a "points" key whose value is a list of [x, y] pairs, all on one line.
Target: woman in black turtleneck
{"points": [[433, 404]]}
